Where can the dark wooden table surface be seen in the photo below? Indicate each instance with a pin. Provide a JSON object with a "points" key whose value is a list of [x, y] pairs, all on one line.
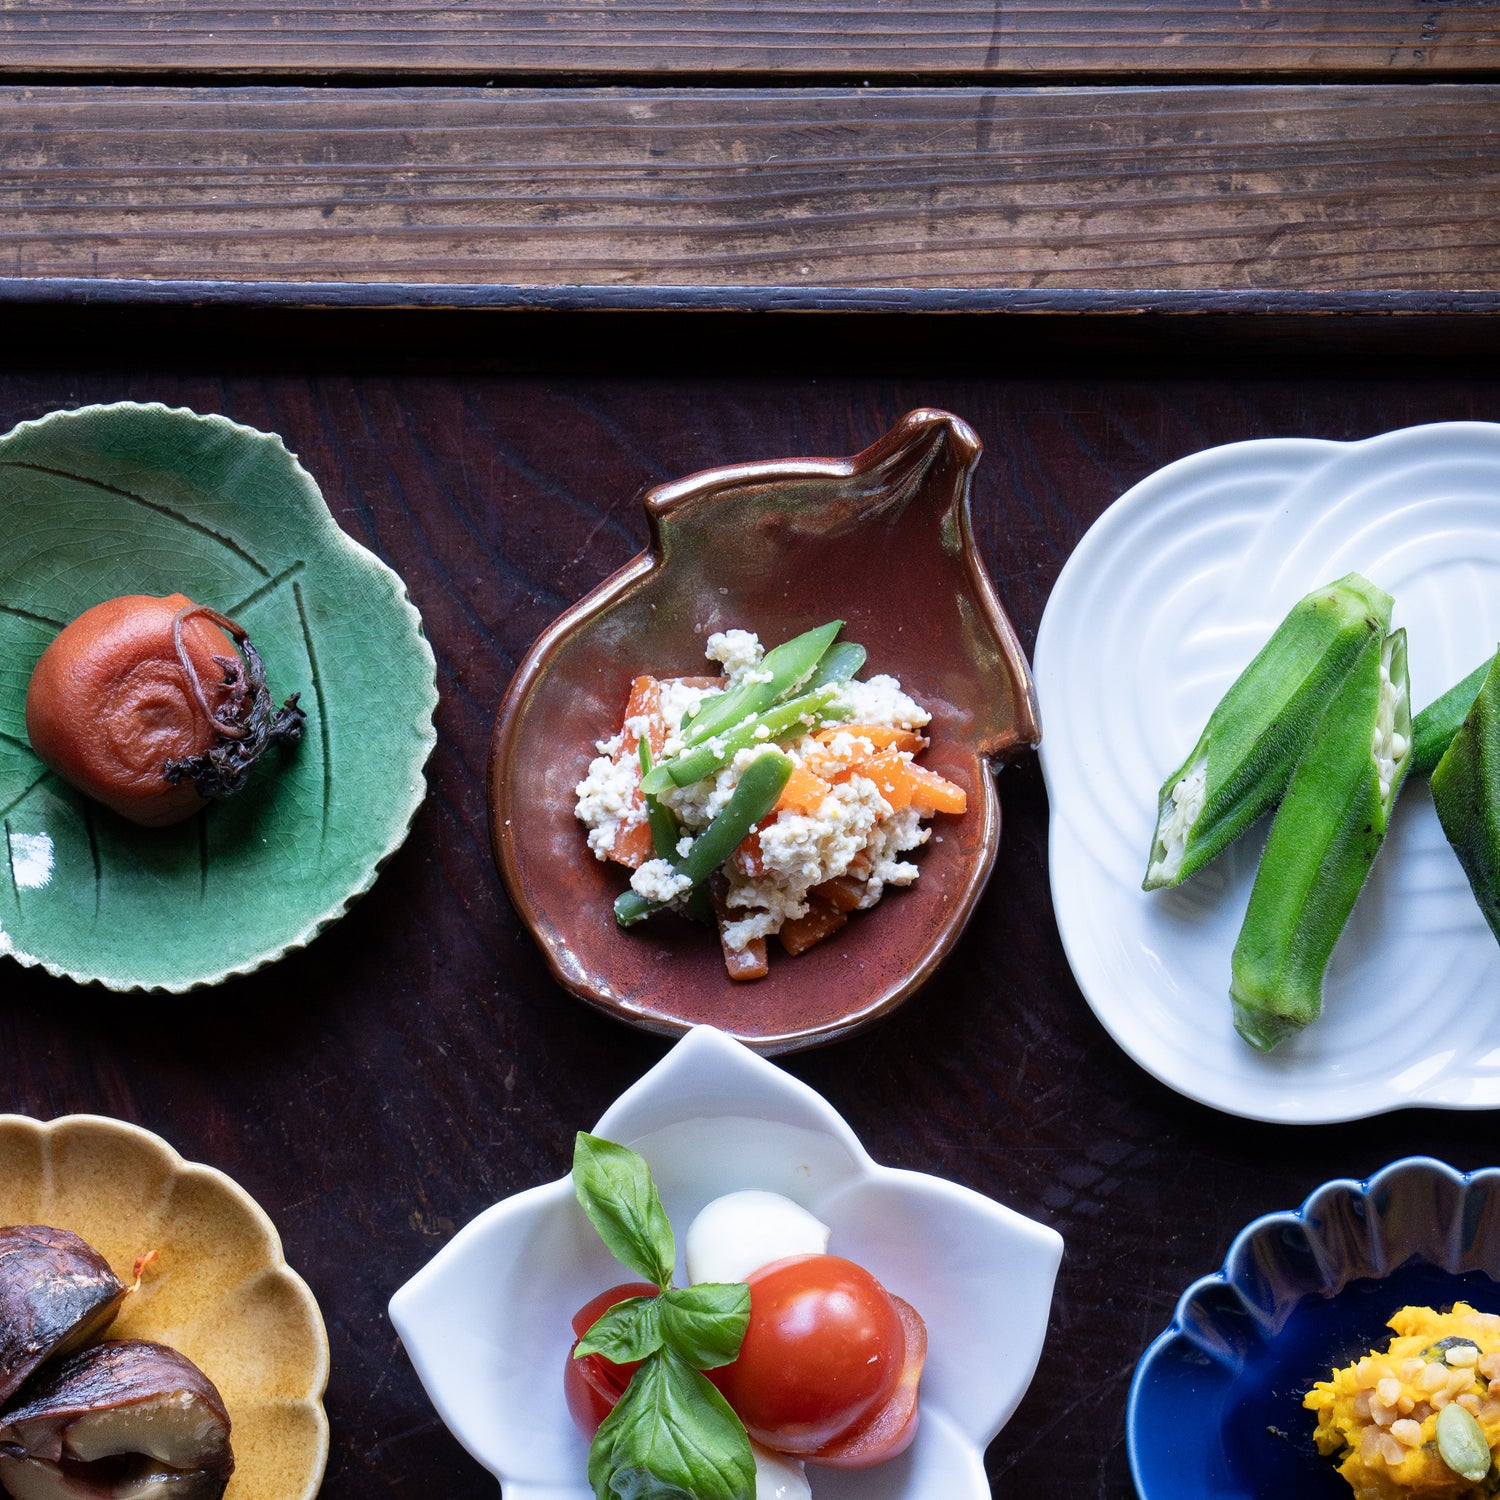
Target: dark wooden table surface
{"points": [[491, 269]]}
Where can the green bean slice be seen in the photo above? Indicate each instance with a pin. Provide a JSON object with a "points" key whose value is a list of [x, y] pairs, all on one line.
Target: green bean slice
{"points": [[781, 671], [754, 795], [794, 717]]}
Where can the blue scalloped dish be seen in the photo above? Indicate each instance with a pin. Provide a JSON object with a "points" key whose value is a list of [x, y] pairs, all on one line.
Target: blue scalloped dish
{"points": [[1215, 1409]]}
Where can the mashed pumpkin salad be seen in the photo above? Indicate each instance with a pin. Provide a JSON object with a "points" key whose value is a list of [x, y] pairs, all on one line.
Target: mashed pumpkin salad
{"points": [[773, 800], [1422, 1417]]}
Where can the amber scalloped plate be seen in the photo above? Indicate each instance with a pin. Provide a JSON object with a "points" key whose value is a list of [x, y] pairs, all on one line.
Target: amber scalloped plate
{"points": [[219, 1290], [882, 541]]}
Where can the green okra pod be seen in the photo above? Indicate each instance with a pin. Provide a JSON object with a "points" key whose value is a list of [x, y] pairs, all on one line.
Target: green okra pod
{"points": [[1433, 729], [1244, 757], [1322, 843], [1466, 794]]}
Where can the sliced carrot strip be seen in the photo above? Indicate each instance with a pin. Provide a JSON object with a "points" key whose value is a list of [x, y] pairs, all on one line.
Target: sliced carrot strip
{"points": [[881, 736], [890, 774], [749, 962], [842, 891], [644, 702], [822, 920], [633, 846], [747, 858], [803, 793], [934, 793]]}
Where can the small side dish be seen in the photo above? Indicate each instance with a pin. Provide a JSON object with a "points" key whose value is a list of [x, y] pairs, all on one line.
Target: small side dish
{"points": [[154, 558], [774, 800], [1318, 726], [125, 1419], [159, 1310], [490, 1322], [773, 1355], [1299, 1319], [153, 706], [1172, 591], [1421, 1416], [882, 540]]}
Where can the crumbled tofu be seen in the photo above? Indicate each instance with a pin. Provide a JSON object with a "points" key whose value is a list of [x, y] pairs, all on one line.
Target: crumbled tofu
{"points": [[853, 835], [656, 880], [738, 652], [606, 797], [881, 701]]}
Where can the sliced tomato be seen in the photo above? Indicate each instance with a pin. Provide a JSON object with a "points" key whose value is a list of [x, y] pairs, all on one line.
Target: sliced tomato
{"points": [[824, 1356], [593, 1384], [892, 1428]]}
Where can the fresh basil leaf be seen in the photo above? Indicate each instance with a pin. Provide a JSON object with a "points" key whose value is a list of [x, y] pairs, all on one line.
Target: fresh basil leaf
{"points": [[629, 1330], [705, 1323], [671, 1436], [615, 1188]]}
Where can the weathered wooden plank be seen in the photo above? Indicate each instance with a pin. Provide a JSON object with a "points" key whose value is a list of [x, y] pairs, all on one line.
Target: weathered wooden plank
{"points": [[1230, 188], [603, 40]]}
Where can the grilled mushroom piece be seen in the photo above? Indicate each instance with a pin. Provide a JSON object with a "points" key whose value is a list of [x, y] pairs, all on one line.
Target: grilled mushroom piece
{"points": [[56, 1291], [124, 1420]]}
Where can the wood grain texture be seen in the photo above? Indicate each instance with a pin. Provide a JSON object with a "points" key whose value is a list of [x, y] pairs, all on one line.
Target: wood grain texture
{"points": [[973, 39], [416, 1063], [1236, 188]]}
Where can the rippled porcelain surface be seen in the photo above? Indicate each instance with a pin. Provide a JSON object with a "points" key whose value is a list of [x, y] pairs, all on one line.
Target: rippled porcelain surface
{"points": [[219, 1290], [486, 1321], [1165, 600], [1216, 1410], [881, 540]]}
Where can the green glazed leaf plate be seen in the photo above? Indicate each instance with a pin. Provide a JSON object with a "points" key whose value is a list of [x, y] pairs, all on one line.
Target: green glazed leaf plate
{"points": [[131, 499]]}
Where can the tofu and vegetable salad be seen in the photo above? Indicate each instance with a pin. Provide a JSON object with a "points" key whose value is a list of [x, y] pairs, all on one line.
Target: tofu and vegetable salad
{"points": [[771, 801]]}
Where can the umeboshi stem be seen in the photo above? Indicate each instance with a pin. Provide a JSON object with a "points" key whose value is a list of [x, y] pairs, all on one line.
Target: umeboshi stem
{"points": [[222, 769], [230, 729]]}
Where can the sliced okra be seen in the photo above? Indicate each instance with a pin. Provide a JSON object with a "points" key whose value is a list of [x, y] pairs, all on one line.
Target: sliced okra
{"points": [[1322, 843], [1244, 757], [1433, 729], [1466, 794]]}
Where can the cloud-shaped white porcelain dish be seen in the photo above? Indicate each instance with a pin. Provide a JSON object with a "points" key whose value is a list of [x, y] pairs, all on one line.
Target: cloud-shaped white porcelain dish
{"points": [[486, 1322], [1167, 597]]}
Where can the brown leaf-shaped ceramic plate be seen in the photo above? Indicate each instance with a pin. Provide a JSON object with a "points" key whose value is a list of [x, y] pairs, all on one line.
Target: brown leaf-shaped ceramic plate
{"points": [[882, 541], [218, 1290]]}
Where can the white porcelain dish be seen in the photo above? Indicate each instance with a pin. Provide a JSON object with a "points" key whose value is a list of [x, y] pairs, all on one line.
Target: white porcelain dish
{"points": [[1167, 597], [486, 1322]]}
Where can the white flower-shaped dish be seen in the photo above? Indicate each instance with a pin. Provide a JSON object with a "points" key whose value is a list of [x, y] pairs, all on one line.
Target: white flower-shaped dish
{"points": [[486, 1322], [1167, 597]]}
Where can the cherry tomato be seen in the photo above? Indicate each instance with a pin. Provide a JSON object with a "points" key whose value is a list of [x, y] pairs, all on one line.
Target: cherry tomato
{"points": [[593, 1384], [825, 1353]]}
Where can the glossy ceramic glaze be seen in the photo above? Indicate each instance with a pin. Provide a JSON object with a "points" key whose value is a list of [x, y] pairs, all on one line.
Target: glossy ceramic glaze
{"points": [[134, 499], [1215, 1410], [881, 540], [486, 1321], [1165, 600], [218, 1291]]}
